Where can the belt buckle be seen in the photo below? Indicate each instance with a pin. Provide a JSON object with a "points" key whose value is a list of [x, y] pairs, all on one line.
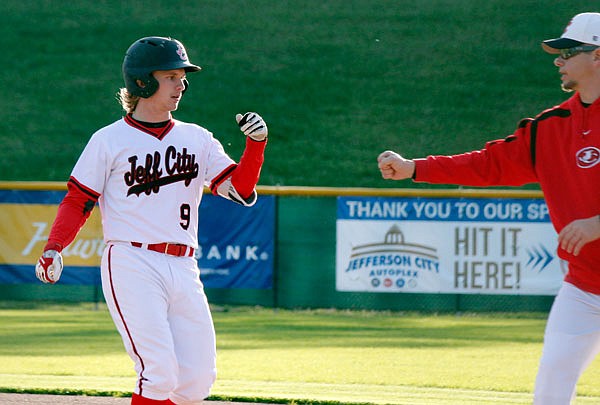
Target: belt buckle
{"points": [[166, 248]]}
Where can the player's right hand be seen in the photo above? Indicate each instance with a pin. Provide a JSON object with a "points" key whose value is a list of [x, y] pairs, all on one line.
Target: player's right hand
{"points": [[252, 125], [49, 268]]}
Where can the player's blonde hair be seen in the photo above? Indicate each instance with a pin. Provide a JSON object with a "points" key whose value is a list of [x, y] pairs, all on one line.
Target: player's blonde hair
{"points": [[127, 100]]}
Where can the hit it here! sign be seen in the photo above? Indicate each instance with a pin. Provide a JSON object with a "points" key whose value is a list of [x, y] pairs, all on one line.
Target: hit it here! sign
{"points": [[446, 245]]}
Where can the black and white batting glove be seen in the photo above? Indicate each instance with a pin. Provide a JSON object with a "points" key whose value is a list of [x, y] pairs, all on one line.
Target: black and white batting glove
{"points": [[50, 266], [252, 125]]}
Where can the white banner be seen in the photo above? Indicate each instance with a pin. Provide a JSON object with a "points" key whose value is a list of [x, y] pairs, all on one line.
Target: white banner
{"points": [[450, 245]]}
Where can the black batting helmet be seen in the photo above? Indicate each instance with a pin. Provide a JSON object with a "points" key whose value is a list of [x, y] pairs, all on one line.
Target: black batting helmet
{"points": [[149, 54]]}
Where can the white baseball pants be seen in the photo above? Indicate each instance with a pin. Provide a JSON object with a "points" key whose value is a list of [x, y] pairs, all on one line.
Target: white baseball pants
{"points": [[158, 305], [571, 342]]}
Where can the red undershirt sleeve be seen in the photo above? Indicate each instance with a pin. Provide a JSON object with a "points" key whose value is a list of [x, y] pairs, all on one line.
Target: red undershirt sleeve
{"points": [[247, 172], [72, 213]]}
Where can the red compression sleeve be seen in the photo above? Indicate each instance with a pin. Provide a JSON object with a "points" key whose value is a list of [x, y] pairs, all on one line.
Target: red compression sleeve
{"points": [[72, 213], [246, 174]]}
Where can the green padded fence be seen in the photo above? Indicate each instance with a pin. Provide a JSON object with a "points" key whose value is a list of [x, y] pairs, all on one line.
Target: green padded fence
{"points": [[304, 274]]}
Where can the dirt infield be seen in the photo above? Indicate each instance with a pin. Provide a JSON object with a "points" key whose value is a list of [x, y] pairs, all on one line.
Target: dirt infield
{"points": [[13, 399]]}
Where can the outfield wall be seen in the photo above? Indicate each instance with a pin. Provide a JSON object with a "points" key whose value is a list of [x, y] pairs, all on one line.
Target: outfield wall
{"points": [[304, 267]]}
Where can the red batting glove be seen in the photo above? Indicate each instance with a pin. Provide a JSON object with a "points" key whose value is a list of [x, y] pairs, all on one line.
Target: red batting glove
{"points": [[49, 268]]}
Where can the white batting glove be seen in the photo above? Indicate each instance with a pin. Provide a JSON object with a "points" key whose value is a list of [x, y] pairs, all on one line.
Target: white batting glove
{"points": [[252, 125], [50, 266]]}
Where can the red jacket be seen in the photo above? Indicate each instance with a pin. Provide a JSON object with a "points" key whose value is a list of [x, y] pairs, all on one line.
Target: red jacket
{"points": [[560, 150]]}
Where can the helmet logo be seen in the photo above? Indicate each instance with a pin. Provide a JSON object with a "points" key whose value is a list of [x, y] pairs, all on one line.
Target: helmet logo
{"points": [[181, 52]]}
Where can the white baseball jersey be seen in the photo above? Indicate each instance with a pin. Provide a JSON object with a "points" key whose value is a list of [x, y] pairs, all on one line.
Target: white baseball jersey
{"points": [[150, 187]]}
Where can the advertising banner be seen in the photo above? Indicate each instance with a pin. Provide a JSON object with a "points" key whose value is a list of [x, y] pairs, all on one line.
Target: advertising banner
{"points": [[236, 243], [446, 245]]}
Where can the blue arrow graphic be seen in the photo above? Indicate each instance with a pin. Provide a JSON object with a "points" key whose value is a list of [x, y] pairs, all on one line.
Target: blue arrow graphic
{"points": [[539, 257]]}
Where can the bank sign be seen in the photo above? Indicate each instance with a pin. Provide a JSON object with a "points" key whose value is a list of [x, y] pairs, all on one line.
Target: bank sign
{"points": [[236, 243], [446, 245]]}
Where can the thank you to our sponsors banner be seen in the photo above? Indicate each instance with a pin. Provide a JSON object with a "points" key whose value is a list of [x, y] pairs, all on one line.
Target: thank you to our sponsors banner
{"points": [[236, 244], [446, 245]]}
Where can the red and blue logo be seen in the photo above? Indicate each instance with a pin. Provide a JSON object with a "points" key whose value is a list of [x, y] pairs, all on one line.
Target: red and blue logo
{"points": [[588, 157]]}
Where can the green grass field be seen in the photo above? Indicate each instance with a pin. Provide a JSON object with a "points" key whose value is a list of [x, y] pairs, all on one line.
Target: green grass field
{"points": [[317, 356], [338, 81]]}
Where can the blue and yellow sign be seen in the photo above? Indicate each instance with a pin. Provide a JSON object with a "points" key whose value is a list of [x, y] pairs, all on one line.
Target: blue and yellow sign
{"points": [[236, 243]]}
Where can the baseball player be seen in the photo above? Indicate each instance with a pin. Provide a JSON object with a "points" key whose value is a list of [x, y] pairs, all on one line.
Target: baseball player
{"points": [[147, 172], [560, 150]]}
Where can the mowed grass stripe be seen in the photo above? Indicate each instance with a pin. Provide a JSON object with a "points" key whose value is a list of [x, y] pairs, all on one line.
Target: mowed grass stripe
{"points": [[368, 393], [318, 355], [290, 391], [56, 384], [240, 389]]}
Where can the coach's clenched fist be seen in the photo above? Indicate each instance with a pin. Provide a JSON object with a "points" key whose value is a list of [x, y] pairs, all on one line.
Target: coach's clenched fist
{"points": [[395, 167]]}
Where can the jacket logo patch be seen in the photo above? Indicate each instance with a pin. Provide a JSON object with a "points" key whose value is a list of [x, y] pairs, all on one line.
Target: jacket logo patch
{"points": [[588, 157]]}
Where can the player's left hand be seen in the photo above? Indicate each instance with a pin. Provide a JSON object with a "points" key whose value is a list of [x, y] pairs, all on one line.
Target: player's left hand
{"points": [[575, 235], [49, 268], [252, 125]]}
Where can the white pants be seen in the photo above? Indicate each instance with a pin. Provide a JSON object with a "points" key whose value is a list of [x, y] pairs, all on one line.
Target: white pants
{"points": [[158, 305], [571, 342]]}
